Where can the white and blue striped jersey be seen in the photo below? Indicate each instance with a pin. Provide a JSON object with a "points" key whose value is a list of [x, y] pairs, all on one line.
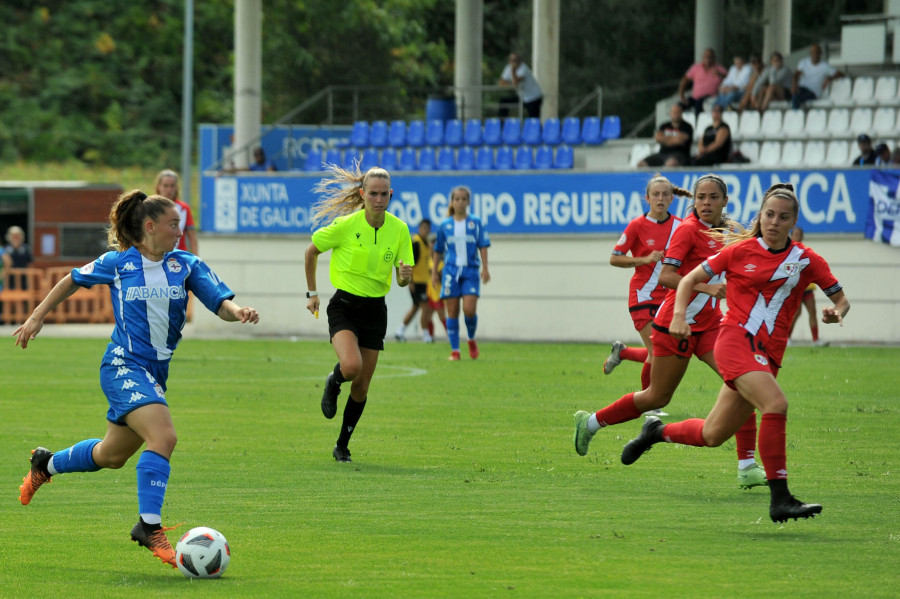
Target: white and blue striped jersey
{"points": [[459, 241], [150, 298]]}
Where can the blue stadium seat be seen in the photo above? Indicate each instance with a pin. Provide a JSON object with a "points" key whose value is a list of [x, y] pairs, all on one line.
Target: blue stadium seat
{"points": [[612, 128], [493, 131], [531, 131], [397, 134], [407, 160], [434, 133], [565, 157], [378, 134], [445, 159], [543, 157], [332, 156], [512, 131], [351, 157], [313, 160], [359, 135], [472, 134], [453, 132], [426, 158], [484, 158], [389, 159], [590, 131], [503, 161], [571, 130], [415, 134], [465, 159], [369, 159], [550, 134], [524, 159]]}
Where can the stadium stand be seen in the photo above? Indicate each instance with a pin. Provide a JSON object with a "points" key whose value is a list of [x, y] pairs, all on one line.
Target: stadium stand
{"points": [[389, 159], [551, 133], [434, 132], [524, 158], [864, 91], [378, 134], [415, 134], [838, 123], [838, 153], [313, 160], [445, 159], [512, 131], [503, 161], [814, 153], [359, 135], [571, 131], [565, 157], [397, 134], [886, 91], [465, 159], [860, 121], [591, 132], [426, 160], [770, 153], [484, 158], [612, 128], [493, 131], [369, 158], [884, 122], [543, 157], [472, 134], [453, 133], [407, 160]]}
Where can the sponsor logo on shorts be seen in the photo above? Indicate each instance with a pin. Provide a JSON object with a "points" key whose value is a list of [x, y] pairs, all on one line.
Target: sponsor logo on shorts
{"points": [[136, 396], [117, 361], [122, 371], [128, 384], [118, 350], [761, 359], [159, 391]]}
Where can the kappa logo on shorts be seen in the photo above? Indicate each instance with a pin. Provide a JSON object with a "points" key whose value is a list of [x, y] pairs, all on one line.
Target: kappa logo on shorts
{"points": [[117, 361], [150, 377], [128, 384], [136, 396], [761, 359], [118, 350], [122, 371]]}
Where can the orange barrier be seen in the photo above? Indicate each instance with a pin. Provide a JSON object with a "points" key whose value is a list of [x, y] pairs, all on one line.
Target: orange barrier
{"points": [[17, 301]]}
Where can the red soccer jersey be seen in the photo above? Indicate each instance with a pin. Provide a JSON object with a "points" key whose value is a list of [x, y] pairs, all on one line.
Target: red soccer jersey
{"points": [[186, 221], [765, 288], [642, 236], [689, 247]]}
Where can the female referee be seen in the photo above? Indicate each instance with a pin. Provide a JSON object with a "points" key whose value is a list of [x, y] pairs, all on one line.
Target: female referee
{"points": [[752, 339], [647, 238], [690, 245], [366, 242], [149, 282], [461, 244]]}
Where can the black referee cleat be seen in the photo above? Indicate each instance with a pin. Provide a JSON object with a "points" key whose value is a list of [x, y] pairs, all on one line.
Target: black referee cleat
{"points": [[793, 508], [330, 396], [341, 454], [651, 433]]}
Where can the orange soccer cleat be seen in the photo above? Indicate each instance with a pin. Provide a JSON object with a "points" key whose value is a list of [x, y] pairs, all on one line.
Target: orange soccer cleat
{"points": [[153, 537], [37, 476]]}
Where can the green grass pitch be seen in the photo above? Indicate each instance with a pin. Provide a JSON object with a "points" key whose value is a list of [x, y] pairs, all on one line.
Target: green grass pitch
{"points": [[464, 483]]}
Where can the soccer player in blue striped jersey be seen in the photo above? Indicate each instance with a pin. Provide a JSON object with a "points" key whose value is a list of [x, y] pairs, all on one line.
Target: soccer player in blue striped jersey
{"points": [[462, 244], [149, 282]]}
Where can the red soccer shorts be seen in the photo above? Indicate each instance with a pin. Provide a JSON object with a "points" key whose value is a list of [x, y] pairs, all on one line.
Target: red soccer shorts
{"points": [[641, 316], [738, 353], [697, 344]]}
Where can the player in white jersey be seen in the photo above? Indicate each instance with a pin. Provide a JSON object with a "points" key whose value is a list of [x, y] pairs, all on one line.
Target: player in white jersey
{"points": [[149, 282], [461, 244]]}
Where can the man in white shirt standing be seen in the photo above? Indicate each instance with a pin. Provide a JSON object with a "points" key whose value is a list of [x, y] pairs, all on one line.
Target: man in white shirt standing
{"points": [[517, 74], [735, 83], [812, 77]]}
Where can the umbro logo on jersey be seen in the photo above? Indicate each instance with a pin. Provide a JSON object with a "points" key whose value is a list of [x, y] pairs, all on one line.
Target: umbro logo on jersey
{"points": [[749, 267], [651, 242], [129, 266], [712, 243]]}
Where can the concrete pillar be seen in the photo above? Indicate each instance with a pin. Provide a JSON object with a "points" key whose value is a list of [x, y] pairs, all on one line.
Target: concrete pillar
{"points": [[247, 76], [709, 29], [467, 73], [545, 58], [776, 28]]}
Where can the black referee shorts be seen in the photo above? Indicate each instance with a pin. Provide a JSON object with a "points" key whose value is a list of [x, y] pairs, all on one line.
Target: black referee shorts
{"points": [[365, 317]]}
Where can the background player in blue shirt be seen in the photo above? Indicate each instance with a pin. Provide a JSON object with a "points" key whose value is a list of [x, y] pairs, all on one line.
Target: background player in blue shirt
{"points": [[461, 241], [149, 282]]}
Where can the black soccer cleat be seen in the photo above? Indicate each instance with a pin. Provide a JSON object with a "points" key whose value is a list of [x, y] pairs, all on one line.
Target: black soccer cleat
{"points": [[793, 508], [341, 454], [651, 433], [37, 474], [330, 396]]}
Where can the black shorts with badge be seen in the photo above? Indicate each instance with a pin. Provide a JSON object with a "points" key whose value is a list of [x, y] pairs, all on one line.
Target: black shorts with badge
{"points": [[365, 317]]}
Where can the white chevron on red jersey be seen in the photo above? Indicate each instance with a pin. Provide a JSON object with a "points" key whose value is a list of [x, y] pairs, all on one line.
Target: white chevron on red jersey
{"points": [[689, 247], [765, 287], [642, 236]]}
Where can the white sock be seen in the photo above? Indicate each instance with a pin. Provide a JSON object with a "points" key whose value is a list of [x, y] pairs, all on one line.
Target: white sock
{"points": [[592, 424], [50, 467], [151, 518], [746, 463]]}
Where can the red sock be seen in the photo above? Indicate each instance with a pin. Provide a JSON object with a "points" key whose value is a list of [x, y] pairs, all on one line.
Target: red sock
{"points": [[815, 333], [772, 445], [431, 328], [634, 354], [745, 439], [686, 432], [645, 376], [621, 410]]}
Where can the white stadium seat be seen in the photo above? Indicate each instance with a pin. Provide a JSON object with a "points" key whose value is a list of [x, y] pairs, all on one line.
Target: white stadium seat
{"points": [[690, 118], [838, 122], [770, 153], [886, 91], [884, 122], [771, 126], [814, 154], [704, 120], [863, 91], [860, 121], [838, 153], [730, 117], [639, 151], [794, 123], [750, 150], [792, 153], [748, 124], [816, 123]]}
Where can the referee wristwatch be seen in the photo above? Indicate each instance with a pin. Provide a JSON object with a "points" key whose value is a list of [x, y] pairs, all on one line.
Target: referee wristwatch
{"points": [[310, 294]]}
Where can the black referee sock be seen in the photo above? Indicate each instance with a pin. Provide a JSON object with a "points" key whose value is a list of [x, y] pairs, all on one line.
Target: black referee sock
{"points": [[352, 412], [338, 375]]}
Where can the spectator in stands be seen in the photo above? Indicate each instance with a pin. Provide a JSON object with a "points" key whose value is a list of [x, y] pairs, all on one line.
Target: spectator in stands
{"points": [[16, 254], [882, 155], [706, 76], [754, 85], [167, 186], [714, 145], [674, 138], [866, 154], [517, 75], [776, 82], [259, 161], [812, 77], [895, 156], [735, 83]]}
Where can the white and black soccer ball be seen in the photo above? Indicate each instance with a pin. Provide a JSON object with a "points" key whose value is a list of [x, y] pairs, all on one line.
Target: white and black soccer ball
{"points": [[202, 552]]}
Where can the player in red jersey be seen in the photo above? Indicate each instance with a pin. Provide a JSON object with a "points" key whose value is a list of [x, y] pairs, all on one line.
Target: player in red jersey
{"points": [[767, 274], [647, 238], [690, 245], [809, 300]]}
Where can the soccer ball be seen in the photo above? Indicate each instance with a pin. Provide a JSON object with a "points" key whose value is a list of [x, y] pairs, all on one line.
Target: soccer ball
{"points": [[202, 553]]}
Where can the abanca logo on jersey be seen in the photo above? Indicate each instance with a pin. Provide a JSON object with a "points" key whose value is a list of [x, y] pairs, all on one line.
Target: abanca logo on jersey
{"points": [[146, 293]]}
